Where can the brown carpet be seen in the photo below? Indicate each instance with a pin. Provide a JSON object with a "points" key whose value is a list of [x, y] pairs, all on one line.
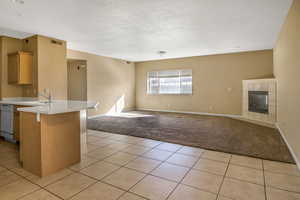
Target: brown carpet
{"points": [[208, 132]]}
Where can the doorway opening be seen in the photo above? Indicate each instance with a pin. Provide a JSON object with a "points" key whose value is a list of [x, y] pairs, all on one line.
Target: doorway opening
{"points": [[77, 80]]}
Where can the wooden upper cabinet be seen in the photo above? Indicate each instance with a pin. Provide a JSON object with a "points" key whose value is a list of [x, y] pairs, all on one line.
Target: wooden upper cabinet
{"points": [[20, 68]]}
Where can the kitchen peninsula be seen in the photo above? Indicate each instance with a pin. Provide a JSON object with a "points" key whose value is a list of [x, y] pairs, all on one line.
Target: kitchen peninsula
{"points": [[52, 135]]}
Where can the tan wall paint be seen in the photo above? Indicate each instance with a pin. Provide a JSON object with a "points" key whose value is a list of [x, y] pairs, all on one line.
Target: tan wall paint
{"points": [[108, 80], [287, 72], [213, 76], [52, 67], [9, 45], [1, 64]]}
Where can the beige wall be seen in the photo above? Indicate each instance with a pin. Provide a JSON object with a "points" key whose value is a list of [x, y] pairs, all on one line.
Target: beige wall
{"points": [[217, 81], [1, 64], [9, 45], [52, 67], [108, 80], [287, 72]]}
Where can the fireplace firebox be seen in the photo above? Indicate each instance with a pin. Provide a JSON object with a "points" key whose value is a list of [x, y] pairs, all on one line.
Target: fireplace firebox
{"points": [[258, 101]]}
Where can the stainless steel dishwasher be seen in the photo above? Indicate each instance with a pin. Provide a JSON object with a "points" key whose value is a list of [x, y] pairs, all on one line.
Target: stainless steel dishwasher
{"points": [[7, 122]]}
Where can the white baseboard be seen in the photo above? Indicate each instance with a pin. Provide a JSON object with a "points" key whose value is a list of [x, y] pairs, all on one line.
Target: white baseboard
{"points": [[95, 116], [194, 113], [288, 145]]}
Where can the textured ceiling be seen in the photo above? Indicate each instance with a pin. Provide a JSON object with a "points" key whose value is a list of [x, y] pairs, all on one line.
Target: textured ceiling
{"points": [[136, 30]]}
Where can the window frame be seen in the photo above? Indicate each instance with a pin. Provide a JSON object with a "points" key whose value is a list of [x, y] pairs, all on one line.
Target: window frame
{"points": [[157, 76]]}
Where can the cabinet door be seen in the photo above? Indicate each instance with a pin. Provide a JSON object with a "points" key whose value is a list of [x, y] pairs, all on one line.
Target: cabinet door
{"points": [[25, 69], [13, 65]]}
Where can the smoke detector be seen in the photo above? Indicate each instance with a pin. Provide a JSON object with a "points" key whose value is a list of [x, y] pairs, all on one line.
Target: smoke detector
{"points": [[161, 53], [18, 1]]}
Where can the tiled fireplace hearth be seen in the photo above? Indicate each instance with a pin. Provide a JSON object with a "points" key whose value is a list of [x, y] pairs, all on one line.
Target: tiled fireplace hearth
{"points": [[259, 100]]}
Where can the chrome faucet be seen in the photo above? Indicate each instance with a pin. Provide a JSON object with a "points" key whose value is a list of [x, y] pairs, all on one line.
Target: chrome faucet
{"points": [[46, 94]]}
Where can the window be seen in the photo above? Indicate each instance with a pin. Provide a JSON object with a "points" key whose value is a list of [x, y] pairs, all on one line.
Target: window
{"points": [[170, 82]]}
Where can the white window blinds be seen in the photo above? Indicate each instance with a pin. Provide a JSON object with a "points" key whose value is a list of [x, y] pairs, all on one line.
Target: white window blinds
{"points": [[170, 82]]}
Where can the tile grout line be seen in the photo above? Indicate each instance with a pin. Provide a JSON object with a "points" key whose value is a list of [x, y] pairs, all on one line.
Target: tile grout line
{"points": [[139, 156], [265, 189], [149, 173], [224, 176], [101, 180], [40, 187], [180, 182]]}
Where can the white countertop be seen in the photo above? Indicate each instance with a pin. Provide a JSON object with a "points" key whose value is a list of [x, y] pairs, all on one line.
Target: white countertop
{"points": [[55, 107]]}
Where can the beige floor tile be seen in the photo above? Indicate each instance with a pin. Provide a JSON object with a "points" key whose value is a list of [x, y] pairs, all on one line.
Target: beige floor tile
{"points": [[2, 169], [215, 155], [99, 169], [91, 147], [119, 146], [70, 185], [203, 180], [191, 151], [21, 172], [7, 177], [131, 140], [85, 161], [169, 147], [130, 196], [102, 153], [40, 195], [154, 188], [183, 192], [245, 174], [149, 143], [246, 161], [102, 143], [44, 181], [10, 164], [282, 181], [211, 166], [17, 189], [241, 190], [136, 150], [158, 154], [99, 191], [97, 133], [143, 164], [91, 139], [223, 198], [124, 178], [171, 172], [183, 160], [276, 194], [279, 167], [121, 158]]}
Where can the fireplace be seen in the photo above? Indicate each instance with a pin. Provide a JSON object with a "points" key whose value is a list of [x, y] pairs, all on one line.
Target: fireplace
{"points": [[258, 101]]}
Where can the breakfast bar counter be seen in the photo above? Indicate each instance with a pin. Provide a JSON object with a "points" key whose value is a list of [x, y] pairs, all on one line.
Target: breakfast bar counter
{"points": [[53, 135]]}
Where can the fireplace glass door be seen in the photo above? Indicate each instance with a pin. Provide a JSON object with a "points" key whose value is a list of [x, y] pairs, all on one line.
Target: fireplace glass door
{"points": [[258, 102]]}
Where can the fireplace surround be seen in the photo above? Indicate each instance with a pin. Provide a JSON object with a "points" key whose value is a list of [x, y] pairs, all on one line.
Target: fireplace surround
{"points": [[259, 100]]}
